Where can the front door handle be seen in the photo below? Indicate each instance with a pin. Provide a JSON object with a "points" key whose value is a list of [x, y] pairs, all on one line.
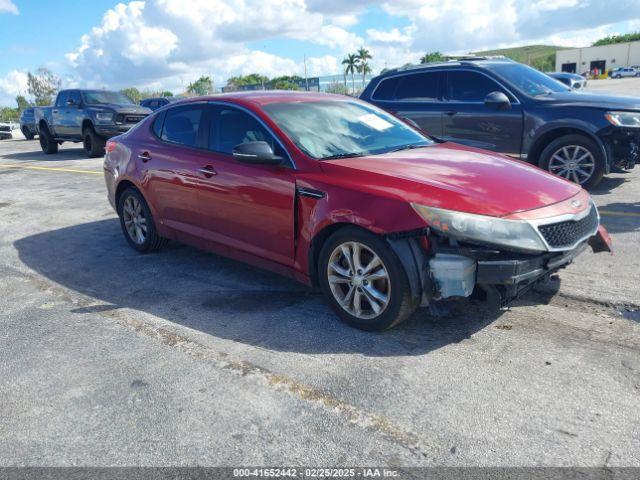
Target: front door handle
{"points": [[208, 171], [450, 113], [145, 156]]}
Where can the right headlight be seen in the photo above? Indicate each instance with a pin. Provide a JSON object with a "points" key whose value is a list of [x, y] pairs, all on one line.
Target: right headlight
{"points": [[514, 234], [624, 119]]}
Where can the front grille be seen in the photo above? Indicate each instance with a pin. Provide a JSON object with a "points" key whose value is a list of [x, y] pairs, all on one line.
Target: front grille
{"points": [[566, 234], [124, 118], [5, 128]]}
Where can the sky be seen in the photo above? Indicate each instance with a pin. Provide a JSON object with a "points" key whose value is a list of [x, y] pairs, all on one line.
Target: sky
{"points": [[166, 44]]}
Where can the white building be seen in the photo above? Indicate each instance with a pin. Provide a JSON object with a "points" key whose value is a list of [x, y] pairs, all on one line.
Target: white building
{"points": [[604, 58]]}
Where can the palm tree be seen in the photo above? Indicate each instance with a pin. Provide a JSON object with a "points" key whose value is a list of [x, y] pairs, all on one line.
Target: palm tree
{"points": [[351, 64], [363, 55]]}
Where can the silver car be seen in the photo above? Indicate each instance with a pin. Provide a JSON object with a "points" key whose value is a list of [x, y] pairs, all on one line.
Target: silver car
{"points": [[571, 80], [621, 72]]}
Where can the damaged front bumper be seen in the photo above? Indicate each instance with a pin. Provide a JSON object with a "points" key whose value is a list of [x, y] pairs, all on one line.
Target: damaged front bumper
{"points": [[623, 148], [447, 271]]}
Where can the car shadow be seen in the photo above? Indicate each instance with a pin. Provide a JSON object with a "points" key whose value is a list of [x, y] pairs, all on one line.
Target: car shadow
{"points": [[621, 217], [610, 183], [225, 298], [40, 156]]}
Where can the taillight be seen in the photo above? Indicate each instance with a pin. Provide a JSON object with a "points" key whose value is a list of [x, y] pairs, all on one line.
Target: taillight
{"points": [[110, 146]]}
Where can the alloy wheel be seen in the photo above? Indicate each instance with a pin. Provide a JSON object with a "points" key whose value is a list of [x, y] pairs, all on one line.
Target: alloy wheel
{"points": [[134, 220], [359, 280], [573, 162]]}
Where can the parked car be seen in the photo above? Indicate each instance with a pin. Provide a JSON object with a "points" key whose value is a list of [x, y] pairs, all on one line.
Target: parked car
{"points": [[621, 72], [28, 123], [335, 192], [156, 103], [571, 80], [5, 131], [507, 107], [87, 116]]}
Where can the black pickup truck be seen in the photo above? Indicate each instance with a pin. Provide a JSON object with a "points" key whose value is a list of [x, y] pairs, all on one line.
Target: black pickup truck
{"points": [[87, 116]]}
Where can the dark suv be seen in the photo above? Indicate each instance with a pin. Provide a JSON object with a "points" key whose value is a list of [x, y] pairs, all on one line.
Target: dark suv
{"points": [[504, 106]]}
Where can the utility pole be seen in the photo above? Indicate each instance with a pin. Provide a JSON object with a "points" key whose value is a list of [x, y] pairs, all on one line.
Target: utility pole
{"points": [[306, 81]]}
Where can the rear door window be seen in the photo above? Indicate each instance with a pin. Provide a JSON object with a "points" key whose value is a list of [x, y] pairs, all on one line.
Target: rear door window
{"points": [[419, 87], [75, 96], [62, 98], [466, 86], [183, 125]]}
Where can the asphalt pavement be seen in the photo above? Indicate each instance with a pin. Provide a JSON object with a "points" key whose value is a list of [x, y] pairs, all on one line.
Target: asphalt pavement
{"points": [[111, 358]]}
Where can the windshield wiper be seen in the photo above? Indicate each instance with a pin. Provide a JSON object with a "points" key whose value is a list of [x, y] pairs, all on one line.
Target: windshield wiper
{"points": [[409, 146], [343, 155]]}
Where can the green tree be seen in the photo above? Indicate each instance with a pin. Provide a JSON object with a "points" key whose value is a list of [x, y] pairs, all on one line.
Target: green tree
{"points": [[363, 55], [251, 79], [202, 86], [286, 82], [432, 57], [133, 93], [167, 93], [43, 85], [350, 63], [8, 114], [611, 39], [22, 102]]}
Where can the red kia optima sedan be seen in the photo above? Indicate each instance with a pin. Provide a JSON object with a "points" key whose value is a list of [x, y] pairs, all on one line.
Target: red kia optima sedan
{"points": [[337, 193]]}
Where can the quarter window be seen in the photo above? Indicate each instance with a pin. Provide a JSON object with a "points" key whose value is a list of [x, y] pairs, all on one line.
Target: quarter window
{"points": [[182, 126], [465, 86], [386, 90]]}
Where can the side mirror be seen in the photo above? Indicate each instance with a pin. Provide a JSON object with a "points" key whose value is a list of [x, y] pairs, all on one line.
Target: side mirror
{"points": [[497, 100], [257, 153]]}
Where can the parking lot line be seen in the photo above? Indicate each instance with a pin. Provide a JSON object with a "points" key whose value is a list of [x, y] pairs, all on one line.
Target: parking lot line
{"points": [[610, 213], [53, 169]]}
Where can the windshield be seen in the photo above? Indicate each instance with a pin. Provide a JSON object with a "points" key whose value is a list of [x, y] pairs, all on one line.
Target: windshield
{"points": [[527, 79], [335, 129], [96, 97]]}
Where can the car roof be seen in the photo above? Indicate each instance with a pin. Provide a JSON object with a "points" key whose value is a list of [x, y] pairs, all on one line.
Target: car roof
{"points": [[265, 97], [471, 61]]}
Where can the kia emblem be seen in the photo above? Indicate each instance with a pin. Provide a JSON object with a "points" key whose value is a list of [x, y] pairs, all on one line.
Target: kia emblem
{"points": [[576, 203]]}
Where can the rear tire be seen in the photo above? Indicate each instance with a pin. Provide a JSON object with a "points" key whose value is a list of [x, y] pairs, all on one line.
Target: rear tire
{"points": [[93, 144], [354, 297], [553, 156], [137, 222], [27, 134], [47, 142]]}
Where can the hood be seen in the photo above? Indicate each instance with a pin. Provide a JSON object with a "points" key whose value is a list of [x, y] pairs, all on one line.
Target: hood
{"points": [[137, 109], [454, 177], [583, 99]]}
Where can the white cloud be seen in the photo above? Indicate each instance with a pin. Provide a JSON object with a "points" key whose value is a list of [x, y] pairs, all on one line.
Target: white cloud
{"points": [[169, 43], [161, 40], [7, 6], [12, 84]]}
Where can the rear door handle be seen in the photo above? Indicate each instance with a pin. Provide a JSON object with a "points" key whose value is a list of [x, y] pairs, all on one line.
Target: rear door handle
{"points": [[208, 171], [145, 156], [450, 113]]}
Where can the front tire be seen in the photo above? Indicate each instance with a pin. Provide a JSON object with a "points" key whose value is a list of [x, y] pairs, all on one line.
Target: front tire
{"points": [[137, 222], [93, 144], [364, 280], [47, 142], [577, 158]]}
